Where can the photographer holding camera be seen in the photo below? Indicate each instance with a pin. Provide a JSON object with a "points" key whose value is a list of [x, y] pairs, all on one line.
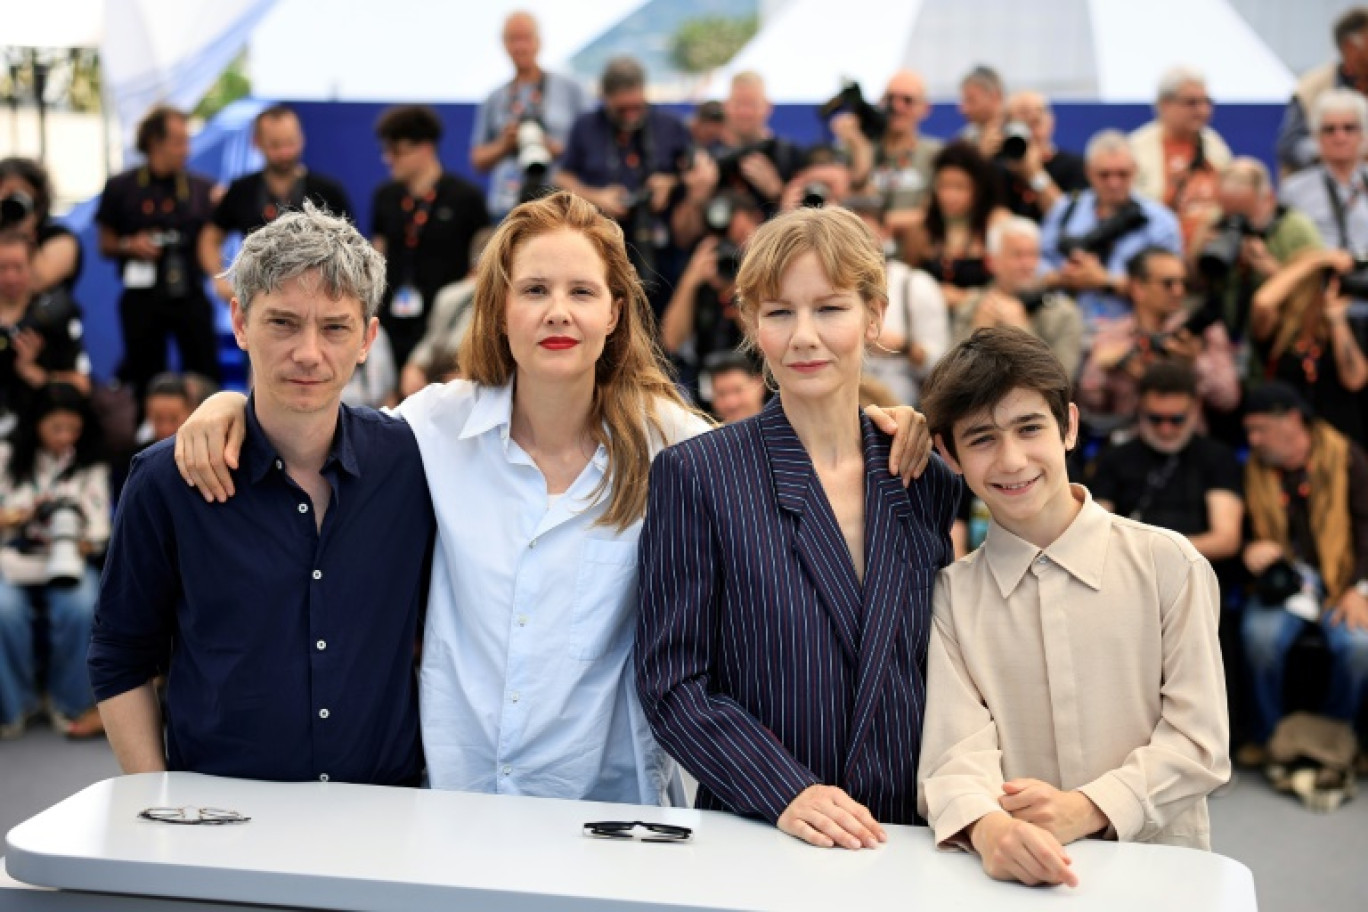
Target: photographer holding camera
{"points": [[890, 156], [26, 207], [1301, 334], [1016, 298], [1037, 173], [1159, 328], [1306, 490], [150, 219], [1332, 193], [517, 157], [1087, 238], [54, 514], [1250, 241], [626, 157], [700, 319], [40, 333]]}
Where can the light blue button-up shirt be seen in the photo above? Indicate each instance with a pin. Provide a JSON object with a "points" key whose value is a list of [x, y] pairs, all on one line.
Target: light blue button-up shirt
{"points": [[526, 685], [1161, 230]]}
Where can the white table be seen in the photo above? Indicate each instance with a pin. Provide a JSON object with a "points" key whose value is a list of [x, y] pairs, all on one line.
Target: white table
{"points": [[337, 846]]}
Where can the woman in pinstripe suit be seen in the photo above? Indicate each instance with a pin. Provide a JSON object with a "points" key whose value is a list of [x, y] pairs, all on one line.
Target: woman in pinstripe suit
{"points": [[785, 577]]}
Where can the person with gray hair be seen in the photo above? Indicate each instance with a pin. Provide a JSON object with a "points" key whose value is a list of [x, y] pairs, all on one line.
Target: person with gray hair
{"points": [[1087, 237], [1332, 192], [1178, 156], [285, 619], [1296, 145], [1016, 298]]}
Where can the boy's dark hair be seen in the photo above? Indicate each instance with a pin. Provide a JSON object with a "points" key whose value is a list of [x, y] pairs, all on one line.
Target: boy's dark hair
{"points": [[152, 128], [1169, 378], [982, 370], [414, 123]]}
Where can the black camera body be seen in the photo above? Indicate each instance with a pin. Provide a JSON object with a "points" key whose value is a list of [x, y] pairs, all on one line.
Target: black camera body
{"points": [[1016, 142], [14, 209], [1222, 251], [1104, 235], [1032, 299], [717, 218], [873, 121], [729, 163]]}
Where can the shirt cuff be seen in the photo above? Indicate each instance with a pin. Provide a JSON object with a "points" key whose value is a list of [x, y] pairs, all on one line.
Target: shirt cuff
{"points": [[958, 814], [1119, 805]]}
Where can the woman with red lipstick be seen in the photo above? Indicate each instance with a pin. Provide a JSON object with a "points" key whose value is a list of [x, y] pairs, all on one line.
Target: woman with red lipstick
{"points": [[785, 577], [537, 465]]}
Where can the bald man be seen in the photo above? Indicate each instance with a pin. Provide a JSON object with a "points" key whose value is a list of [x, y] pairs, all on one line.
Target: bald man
{"points": [[899, 166], [552, 100]]}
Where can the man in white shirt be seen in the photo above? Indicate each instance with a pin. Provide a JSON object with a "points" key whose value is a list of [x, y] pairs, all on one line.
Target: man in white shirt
{"points": [[1046, 721]]}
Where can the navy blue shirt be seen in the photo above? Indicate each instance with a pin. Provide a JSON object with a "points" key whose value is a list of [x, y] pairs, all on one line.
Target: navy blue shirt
{"points": [[599, 156], [288, 652]]}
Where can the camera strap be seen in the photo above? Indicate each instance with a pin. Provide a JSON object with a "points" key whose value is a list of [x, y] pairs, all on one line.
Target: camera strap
{"points": [[1064, 222], [535, 100], [1341, 207], [151, 200]]}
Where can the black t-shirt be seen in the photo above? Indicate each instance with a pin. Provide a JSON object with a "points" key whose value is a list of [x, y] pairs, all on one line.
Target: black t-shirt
{"points": [[248, 204], [1067, 170], [57, 318], [49, 230], [1162, 489], [177, 204], [434, 250], [1314, 373], [786, 156]]}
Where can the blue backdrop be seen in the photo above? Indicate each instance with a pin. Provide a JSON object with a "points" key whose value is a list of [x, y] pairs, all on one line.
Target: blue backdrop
{"points": [[342, 144]]}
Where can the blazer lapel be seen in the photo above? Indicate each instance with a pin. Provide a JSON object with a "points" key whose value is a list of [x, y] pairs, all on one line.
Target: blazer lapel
{"points": [[888, 509], [817, 540]]}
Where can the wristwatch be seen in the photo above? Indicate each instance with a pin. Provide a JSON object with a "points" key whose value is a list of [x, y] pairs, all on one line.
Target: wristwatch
{"points": [[1361, 587], [1040, 181]]}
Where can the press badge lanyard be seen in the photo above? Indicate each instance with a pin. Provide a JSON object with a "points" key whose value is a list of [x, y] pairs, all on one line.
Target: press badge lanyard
{"points": [[271, 205], [516, 110], [1341, 207], [158, 210], [408, 301]]}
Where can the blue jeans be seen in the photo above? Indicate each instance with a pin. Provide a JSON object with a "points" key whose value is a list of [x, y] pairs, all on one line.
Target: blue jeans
{"points": [[70, 612], [1268, 636]]}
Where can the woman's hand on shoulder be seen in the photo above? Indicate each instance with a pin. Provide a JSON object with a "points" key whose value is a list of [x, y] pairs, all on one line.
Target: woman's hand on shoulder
{"points": [[209, 443]]}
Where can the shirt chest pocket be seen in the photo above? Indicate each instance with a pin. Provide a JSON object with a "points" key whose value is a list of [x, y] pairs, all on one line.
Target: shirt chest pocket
{"points": [[603, 613]]}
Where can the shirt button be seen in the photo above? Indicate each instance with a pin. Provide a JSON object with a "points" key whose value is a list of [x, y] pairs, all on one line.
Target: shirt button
{"points": [[532, 543], [515, 696], [1042, 560], [322, 777], [318, 574], [508, 770], [303, 508], [279, 464], [522, 620], [322, 645], [323, 714]]}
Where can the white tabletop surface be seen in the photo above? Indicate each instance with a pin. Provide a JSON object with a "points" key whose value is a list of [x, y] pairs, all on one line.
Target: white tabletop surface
{"points": [[338, 846]]}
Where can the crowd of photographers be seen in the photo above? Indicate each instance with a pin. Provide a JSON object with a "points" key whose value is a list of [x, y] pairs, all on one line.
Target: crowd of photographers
{"points": [[1192, 296]]}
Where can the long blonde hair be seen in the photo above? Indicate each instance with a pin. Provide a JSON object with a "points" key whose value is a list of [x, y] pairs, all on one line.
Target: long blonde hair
{"points": [[629, 382]]}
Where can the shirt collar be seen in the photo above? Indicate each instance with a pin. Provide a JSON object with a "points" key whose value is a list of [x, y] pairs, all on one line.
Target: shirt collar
{"points": [[493, 409], [259, 456], [1081, 550]]}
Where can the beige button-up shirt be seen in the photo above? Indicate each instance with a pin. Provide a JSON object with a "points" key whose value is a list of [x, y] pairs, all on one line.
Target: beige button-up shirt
{"points": [[1091, 665]]}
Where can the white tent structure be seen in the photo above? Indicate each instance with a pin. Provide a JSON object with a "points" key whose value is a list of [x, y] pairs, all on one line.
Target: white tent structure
{"points": [[416, 50], [1084, 50]]}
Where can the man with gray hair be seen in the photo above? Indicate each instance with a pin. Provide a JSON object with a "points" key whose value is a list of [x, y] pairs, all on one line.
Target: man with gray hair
{"points": [[285, 619], [1334, 194], [1088, 237], [1296, 146], [1016, 298], [1178, 155]]}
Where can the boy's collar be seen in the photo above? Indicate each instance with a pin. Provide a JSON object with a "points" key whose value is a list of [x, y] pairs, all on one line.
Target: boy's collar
{"points": [[1081, 550]]}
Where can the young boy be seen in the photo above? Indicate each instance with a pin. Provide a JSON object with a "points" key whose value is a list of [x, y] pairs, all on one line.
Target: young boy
{"points": [[1074, 683]]}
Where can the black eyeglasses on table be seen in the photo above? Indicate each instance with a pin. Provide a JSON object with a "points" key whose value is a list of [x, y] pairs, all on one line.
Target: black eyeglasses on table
{"points": [[626, 829], [192, 816]]}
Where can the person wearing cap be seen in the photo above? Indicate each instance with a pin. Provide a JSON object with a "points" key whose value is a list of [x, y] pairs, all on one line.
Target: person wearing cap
{"points": [[1306, 492]]}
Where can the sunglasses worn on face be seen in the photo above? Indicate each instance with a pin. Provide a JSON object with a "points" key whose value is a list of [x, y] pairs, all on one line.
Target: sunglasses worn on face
{"points": [[908, 100], [1328, 129], [1119, 174], [626, 829], [1177, 420]]}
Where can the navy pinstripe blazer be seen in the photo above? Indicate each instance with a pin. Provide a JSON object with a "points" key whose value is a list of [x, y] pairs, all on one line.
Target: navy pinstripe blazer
{"points": [[763, 665]]}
